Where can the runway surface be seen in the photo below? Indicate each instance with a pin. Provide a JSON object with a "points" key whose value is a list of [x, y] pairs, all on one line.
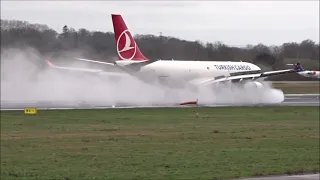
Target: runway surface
{"points": [[290, 100], [295, 177], [301, 99]]}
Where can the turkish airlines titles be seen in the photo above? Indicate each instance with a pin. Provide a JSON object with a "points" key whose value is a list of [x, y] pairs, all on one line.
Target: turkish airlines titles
{"points": [[232, 67]]}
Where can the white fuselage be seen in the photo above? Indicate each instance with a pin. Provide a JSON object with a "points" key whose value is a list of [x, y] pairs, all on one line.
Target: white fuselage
{"points": [[310, 74], [189, 70]]}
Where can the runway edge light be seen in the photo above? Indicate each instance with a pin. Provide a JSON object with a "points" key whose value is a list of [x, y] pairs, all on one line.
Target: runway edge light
{"points": [[30, 110]]}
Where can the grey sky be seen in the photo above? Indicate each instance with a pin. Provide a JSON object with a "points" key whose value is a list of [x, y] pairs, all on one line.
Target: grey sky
{"points": [[232, 22]]}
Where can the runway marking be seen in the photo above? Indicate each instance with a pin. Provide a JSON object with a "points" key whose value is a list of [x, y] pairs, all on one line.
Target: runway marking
{"points": [[296, 177], [308, 176], [297, 102]]}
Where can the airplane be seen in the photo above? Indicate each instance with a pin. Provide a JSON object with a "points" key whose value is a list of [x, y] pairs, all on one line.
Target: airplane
{"points": [[132, 62], [307, 73]]}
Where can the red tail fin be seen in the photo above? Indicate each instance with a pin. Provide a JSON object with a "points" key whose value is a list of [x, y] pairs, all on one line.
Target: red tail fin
{"points": [[127, 48]]}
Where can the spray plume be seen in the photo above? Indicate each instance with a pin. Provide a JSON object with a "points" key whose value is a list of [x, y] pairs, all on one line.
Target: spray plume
{"points": [[23, 79]]}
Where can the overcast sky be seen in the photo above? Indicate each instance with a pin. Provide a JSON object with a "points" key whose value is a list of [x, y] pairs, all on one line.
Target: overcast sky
{"points": [[232, 22]]}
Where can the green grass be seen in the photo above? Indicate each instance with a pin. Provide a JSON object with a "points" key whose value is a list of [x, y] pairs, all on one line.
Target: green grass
{"points": [[298, 88], [164, 143]]}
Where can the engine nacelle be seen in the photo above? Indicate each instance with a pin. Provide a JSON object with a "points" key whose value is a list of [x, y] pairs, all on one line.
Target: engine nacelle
{"points": [[253, 84]]}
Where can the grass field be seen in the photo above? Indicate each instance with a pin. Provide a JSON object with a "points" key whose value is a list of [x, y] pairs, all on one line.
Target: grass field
{"points": [[159, 143], [298, 88]]}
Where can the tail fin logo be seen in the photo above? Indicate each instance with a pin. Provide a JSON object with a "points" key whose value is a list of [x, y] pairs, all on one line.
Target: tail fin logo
{"points": [[126, 46]]}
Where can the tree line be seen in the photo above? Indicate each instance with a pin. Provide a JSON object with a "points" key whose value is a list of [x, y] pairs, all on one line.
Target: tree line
{"points": [[101, 46]]}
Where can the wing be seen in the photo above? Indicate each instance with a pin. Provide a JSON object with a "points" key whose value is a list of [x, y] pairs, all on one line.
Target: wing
{"points": [[94, 71], [73, 69], [126, 66], [251, 77], [100, 62]]}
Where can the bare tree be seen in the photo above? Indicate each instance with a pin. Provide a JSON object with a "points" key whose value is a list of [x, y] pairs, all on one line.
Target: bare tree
{"points": [[101, 46]]}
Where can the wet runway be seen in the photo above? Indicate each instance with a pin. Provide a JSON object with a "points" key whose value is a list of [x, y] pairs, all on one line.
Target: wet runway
{"points": [[294, 177], [290, 100], [301, 99]]}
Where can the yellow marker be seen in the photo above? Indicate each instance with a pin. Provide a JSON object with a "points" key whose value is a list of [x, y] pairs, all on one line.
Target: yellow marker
{"points": [[30, 110]]}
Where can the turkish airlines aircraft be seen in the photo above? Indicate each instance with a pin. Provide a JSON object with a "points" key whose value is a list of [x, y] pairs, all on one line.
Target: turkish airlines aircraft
{"points": [[134, 63], [306, 73]]}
